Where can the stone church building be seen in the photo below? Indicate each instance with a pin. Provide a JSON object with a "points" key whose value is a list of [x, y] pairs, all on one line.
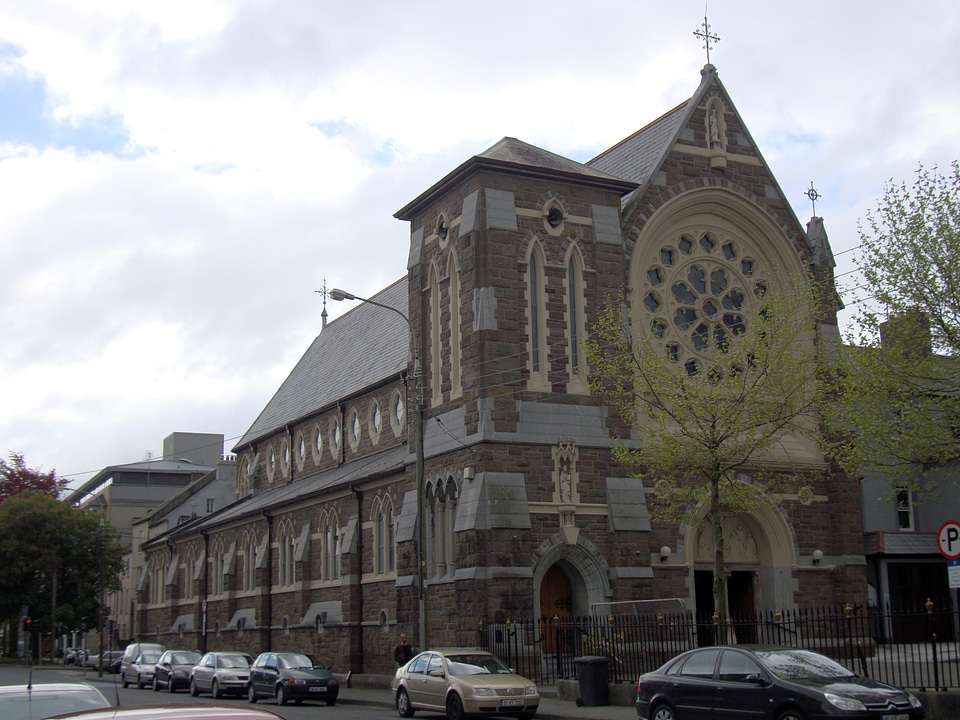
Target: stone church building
{"points": [[450, 414]]}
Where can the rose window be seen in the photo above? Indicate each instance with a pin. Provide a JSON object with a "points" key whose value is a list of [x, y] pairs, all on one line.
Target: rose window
{"points": [[698, 295]]}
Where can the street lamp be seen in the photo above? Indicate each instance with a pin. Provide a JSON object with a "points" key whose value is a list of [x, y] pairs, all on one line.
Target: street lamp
{"points": [[338, 294]]}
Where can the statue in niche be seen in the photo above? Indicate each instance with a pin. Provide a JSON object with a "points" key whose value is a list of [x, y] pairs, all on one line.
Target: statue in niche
{"points": [[714, 130], [565, 484]]}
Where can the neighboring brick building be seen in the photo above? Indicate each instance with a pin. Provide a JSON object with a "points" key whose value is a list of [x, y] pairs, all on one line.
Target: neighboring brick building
{"points": [[527, 514]]}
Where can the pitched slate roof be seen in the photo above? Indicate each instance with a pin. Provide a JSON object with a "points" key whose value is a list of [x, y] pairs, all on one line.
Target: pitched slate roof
{"points": [[359, 350], [517, 158], [370, 466]]}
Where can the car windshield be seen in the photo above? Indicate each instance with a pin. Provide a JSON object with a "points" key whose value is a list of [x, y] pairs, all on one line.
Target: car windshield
{"points": [[294, 660], [476, 665], [802, 665], [233, 661], [30, 705], [185, 658]]}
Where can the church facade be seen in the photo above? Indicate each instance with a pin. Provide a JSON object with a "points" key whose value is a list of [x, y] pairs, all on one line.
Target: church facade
{"points": [[436, 458]]}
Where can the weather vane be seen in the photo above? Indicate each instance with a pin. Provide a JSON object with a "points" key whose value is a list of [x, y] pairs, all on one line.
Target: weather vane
{"points": [[706, 35], [814, 196]]}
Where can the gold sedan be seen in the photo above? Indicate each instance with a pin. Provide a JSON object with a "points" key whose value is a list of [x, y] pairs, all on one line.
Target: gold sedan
{"points": [[463, 683]]}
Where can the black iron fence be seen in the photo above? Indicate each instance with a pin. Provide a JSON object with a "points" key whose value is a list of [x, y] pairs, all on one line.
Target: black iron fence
{"points": [[915, 649]]}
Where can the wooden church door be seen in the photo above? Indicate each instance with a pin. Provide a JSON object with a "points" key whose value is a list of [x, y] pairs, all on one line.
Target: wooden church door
{"points": [[556, 599]]}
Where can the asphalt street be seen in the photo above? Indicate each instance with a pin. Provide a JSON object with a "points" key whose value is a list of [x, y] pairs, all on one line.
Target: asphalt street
{"points": [[354, 703]]}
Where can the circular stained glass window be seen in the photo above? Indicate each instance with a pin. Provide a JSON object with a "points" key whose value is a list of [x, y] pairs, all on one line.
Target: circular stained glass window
{"points": [[698, 296]]}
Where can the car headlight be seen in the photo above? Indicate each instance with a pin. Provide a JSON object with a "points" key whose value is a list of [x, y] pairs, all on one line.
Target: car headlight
{"points": [[530, 690], [845, 703], [483, 692], [331, 681], [914, 700], [295, 681]]}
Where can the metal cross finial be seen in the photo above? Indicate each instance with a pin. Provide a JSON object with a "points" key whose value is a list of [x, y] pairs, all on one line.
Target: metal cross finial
{"points": [[707, 37], [814, 196]]}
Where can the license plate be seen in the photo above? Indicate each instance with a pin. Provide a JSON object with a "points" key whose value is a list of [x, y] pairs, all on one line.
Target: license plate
{"points": [[318, 688], [513, 702]]}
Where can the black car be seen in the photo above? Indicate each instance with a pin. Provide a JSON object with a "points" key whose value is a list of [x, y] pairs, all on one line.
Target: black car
{"points": [[767, 684], [173, 669], [291, 676]]}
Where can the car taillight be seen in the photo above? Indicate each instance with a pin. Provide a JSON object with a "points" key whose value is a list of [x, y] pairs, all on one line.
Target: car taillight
{"points": [[639, 682]]}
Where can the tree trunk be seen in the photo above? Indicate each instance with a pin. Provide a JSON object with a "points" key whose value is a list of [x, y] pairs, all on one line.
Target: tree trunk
{"points": [[719, 566]]}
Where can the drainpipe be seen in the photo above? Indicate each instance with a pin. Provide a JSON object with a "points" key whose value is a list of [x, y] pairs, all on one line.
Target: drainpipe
{"points": [[358, 612], [206, 589], [269, 600]]}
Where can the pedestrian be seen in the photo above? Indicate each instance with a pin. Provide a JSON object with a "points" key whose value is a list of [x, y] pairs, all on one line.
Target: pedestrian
{"points": [[402, 652]]}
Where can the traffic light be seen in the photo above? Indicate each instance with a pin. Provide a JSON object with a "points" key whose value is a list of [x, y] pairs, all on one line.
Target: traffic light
{"points": [[28, 623]]}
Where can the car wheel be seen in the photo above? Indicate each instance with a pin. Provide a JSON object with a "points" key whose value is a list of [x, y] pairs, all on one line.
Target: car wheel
{"points": [[403, 704], [156, 684], [194, 690], [123, 681], [171, 687], [298, 701], [215, 689], [663, 712], [791, 715], [331, 702], [281, 696], [139, 682], [454, 707], [251, 693]]}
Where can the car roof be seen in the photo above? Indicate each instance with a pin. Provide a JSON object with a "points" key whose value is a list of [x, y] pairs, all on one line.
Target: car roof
{"points": [[174, 711], [47, 688]]}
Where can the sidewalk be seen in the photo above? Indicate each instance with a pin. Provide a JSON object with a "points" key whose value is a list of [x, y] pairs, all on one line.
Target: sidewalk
{"points": [[551, 708]]}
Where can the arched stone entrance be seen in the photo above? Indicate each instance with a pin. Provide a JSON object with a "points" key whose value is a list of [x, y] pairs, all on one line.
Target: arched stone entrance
{"points": [[569, 578], [760, 555]]}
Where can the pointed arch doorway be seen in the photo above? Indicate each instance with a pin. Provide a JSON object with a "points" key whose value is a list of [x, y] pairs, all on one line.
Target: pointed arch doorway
{"points": [[556, 599]]}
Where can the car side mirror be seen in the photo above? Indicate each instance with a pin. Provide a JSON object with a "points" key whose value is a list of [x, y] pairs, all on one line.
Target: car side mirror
{"points": [[756, 679], [436, 673]]}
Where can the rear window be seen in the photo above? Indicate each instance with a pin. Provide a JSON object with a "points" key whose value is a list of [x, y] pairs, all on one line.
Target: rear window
{"points": [[700, 664]]}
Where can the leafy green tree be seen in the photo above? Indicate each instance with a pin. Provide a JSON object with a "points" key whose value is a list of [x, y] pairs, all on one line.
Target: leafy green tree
{"points": [[50, 553], [16, 477], [897, 414], [699, 427]]}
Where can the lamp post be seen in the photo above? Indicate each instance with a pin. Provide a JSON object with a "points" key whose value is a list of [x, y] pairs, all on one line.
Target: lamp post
{"points": [[338, 294]]}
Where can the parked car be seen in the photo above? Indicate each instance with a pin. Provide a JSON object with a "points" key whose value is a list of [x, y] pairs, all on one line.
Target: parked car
{"points": [[70, 655], [782, 683], [31, 702], [221, 672], [115, 660], [92, 660], [173, 712], [172, 670], [462, 683], [291, 676], [141, 670], [134, 650]]}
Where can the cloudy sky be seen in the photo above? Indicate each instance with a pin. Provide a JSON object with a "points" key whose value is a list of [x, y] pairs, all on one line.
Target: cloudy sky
{"points": [[177, 177]]}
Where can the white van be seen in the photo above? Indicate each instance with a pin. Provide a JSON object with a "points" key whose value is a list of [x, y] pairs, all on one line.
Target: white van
{"points": [[134, 650]]}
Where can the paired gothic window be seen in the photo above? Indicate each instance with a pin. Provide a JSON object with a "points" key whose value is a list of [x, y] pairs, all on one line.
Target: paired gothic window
{"points": [[248, 561], [384, 536], [453, 272], [330, 533], [441, 509], [536, 313], [287, 542], [216, 572]]}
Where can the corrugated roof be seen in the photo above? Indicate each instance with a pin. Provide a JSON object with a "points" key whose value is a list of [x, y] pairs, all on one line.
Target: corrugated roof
{"points": [[358, 350]]}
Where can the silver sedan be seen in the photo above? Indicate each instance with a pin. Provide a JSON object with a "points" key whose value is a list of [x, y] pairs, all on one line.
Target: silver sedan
{"points": [[221, 672]]}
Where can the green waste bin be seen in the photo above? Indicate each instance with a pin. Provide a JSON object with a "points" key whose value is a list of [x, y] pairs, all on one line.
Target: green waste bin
{"points": [[592, 678]]}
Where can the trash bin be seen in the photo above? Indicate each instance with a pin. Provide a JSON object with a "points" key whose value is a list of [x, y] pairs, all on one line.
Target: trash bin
{"points": [[592, 678]]}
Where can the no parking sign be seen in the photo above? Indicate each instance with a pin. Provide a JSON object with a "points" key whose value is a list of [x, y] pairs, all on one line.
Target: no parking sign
{"points": [[948, 540]]}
